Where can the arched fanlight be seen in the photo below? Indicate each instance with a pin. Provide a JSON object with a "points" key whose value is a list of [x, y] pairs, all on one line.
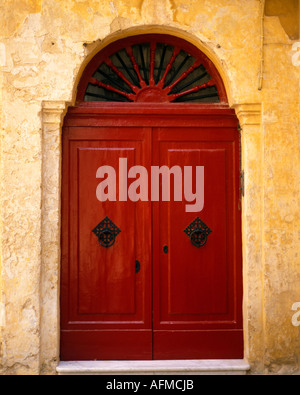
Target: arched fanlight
{"points": [[154, 68]]}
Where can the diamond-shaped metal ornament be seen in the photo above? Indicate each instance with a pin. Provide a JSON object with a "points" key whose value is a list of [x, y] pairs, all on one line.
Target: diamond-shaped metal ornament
{"points": [[106, 232], [198, 232]]}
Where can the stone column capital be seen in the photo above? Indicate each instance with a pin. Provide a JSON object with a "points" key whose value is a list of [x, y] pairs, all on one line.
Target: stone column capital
{"points": [[249, 113], [53, 111]]}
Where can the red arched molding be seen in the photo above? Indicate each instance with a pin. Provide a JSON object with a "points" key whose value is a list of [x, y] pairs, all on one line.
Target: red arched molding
{"points": [[153, 69]]}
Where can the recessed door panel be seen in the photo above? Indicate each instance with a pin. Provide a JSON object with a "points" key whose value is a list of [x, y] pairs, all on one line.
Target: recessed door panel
{"points": [[198, 274], [106, 274]]}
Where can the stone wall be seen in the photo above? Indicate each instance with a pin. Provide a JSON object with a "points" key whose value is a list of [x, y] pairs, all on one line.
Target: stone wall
{"points": [[44, 47]]}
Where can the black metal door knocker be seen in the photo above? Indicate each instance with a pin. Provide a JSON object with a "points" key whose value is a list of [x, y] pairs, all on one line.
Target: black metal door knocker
{"points": [[106, 232], [198, 232]]}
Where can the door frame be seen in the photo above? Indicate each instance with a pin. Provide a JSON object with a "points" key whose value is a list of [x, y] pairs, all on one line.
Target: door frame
{"points": [[53, 113]]}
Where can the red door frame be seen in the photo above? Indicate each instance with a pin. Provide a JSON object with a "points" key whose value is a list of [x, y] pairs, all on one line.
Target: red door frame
{"points": [[168, 115]]}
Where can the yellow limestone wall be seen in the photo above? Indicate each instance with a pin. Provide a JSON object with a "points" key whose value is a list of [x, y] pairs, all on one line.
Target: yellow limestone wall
{"points": [[44, 46]]}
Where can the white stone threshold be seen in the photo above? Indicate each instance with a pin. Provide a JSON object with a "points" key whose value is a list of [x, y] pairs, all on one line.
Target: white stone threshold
{"points": [[199, 367]]}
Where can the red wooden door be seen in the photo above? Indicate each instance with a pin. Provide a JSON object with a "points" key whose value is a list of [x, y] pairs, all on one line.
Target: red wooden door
{"points": [[182, 300], [198, 289], [106, 305]]}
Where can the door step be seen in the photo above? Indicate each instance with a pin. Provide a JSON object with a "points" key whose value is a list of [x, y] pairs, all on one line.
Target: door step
{"points": [[201, 367]]}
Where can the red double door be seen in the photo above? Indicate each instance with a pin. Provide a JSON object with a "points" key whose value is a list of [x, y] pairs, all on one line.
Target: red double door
{"points": [[149, 279]]}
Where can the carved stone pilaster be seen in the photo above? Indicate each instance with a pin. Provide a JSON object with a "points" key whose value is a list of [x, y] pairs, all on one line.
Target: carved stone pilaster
{"points": [[52, 119]]}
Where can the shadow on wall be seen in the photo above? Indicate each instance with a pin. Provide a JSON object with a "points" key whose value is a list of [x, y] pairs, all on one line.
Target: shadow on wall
{"points": [[288, 13]]}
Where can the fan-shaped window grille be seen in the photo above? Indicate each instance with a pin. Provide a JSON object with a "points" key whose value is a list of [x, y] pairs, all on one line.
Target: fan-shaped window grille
{"points": [[151, 69]]}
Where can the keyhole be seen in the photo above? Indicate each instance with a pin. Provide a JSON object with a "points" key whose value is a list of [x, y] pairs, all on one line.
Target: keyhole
{"points": [[137, 266]]}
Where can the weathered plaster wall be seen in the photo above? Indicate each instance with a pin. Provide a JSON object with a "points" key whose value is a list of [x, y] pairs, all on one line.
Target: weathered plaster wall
{"points": [[281, 200], [44, 45]]}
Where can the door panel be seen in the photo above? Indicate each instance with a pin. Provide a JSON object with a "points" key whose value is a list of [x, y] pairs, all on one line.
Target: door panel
{"points": [[101, 288], [198, 289], [105, 345], [201, 344], [196, 274]]}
